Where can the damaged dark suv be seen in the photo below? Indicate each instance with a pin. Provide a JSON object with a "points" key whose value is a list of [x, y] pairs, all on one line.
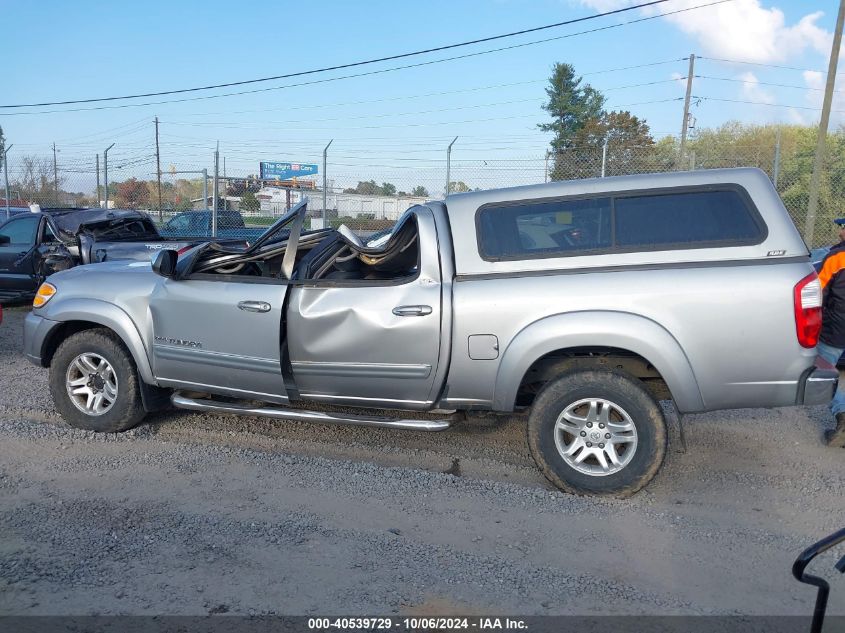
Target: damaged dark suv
{"points": [[35, 245]]}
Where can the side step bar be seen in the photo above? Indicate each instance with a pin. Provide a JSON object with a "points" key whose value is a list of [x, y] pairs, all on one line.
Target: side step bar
{"points": [[282, 413]]}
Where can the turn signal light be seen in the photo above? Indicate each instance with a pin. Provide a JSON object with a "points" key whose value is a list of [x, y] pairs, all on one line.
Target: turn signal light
{"points": [[44, 294]]}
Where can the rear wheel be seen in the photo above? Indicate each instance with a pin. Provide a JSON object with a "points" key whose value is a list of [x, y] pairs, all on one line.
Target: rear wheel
{"points": [[94, 382], [597, 432]]}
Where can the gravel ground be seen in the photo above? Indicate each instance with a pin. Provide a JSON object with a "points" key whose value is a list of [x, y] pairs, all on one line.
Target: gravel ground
{"points": [[196, 514]]}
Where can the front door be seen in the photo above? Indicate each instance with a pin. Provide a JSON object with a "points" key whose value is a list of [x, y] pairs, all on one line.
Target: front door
{"points": [[370, 343], [17, 257], [220, 335], [223, 333]]}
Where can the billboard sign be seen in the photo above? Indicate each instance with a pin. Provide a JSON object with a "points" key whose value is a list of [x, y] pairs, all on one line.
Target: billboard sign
{"points": [[286, 171]]}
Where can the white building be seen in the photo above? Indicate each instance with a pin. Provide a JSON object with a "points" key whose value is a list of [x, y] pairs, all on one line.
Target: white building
{"points": [[275, 201]]}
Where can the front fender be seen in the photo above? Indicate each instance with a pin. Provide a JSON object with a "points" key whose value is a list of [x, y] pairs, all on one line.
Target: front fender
{"points": [[107, 315], [622, 330]]}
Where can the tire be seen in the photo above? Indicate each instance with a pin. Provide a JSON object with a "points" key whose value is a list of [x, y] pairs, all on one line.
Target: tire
{"points": [[583, 400], [119, 406]]}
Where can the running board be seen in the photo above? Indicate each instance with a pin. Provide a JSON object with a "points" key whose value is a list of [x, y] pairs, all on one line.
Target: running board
{"points": [[301, 415]]}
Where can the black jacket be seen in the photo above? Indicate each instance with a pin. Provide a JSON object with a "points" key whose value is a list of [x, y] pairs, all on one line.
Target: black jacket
{"points": [[832, 279]]}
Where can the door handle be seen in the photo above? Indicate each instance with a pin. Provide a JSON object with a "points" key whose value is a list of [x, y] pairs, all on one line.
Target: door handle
{"points": [[412, 310], [254, 306]]}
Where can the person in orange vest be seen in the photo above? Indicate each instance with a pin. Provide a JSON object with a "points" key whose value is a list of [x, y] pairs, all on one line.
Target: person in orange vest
{"points": [[832, 337]]}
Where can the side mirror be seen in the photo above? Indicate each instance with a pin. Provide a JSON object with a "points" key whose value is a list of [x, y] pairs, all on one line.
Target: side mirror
{"points": [[164, 263], [4, 240]]}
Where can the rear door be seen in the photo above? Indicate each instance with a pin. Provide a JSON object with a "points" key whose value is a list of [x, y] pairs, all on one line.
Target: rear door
{"points": [[17, 257], [371, 342]]}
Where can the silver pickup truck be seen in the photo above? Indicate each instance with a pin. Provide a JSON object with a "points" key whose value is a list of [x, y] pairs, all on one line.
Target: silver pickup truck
{"points": [[584, 303]]}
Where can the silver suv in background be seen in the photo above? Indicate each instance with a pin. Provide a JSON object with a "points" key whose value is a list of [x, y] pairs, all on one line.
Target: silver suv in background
{"points": [[584, 303]]}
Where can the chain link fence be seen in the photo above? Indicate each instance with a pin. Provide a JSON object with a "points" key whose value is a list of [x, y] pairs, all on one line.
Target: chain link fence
{"points": [[369, 198]]}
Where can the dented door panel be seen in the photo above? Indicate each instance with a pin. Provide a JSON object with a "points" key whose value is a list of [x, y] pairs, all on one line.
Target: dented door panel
{"points": [[371, 343]]}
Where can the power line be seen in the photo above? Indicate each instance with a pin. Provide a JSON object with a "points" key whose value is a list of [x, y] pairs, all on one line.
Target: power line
{"points": [[739, 61], [439, 94], [142, 125], [762, 83], [342, 66], [763, 103], [266, 124], [385, 70]]}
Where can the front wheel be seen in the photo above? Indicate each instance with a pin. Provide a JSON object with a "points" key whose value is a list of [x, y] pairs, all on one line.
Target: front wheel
{"points": [[597, 433], [94, 383]]}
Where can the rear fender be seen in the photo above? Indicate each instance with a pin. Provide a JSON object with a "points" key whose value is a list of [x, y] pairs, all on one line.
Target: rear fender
{"points": [[621, 330]]}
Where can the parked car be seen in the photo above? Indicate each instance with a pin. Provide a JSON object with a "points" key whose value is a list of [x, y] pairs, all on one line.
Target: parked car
{"points": [[230, 224], [12, 211], [689, 286], [35, 245]]}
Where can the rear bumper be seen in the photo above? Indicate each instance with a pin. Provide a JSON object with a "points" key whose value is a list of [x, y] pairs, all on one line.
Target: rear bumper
{"points": [[818, 383]]}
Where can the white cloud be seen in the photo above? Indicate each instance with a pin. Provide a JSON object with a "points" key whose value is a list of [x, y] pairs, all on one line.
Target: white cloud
{"points": [[814, 98], [814, 79], [752, 91], [743, 29], [799, 117]]}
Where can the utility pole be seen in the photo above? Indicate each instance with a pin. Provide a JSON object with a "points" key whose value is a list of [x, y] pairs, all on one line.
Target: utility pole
{"points": [[55, 175], [98, 180], [818, 164], [325, 181], [204, 188], [216, 191], [685, 122], [106, 176], [449, 164], [158, 175], [603, 158], [6, 177]]}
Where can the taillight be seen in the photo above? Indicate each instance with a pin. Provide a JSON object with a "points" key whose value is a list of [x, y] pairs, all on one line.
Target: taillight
{"points": [[807, 297]]}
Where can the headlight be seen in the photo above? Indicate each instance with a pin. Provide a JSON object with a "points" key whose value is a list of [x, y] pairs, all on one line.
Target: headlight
{"points": [[44, 294]]}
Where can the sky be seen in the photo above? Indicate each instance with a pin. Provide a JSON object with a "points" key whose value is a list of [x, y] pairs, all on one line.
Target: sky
{"points": [[393, 123]]}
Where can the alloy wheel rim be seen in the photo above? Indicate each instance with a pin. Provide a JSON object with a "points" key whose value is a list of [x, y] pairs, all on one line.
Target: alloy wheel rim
{"points": [[91, 384], [596, 437]]}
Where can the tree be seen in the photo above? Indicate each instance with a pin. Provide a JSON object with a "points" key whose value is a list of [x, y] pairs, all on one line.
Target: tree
{"points": [[629, 144], [367, 188], [388, 189], [35, 182], [420, 192], [2, 147], [132, 194], [617, 128], [370, 188], [458, 186], [182, 203], [250, 203], [571, 105]]}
